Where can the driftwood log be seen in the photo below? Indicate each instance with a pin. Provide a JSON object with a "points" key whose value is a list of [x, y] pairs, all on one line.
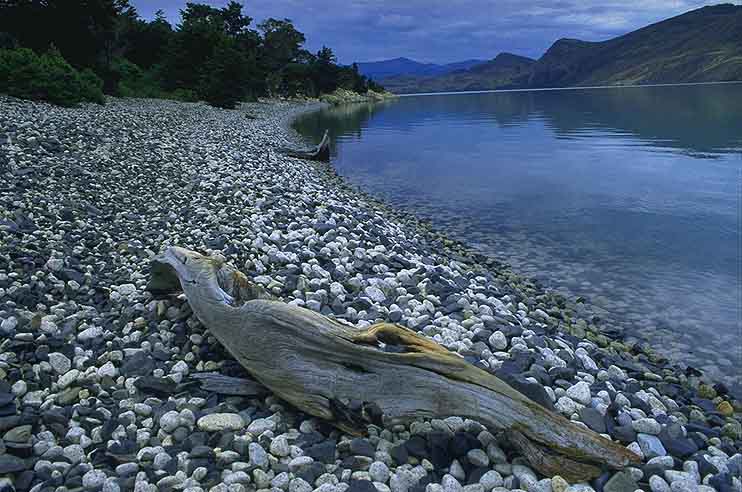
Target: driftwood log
{"points": [[322, 366], [320, 153]]}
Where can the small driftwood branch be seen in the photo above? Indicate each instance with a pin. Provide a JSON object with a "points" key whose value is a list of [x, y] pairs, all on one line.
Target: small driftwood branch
{"points": [[322, 366], [320, 153]]}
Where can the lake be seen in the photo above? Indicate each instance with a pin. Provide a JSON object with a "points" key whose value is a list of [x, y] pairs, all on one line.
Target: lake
{"points": [[629, 197]]}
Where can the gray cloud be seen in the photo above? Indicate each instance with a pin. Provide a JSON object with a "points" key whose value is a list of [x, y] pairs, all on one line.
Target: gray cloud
{"points": [[449, 30]]}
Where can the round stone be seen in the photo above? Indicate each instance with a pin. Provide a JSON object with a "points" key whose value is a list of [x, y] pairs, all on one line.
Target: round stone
{"points": [[93, 479], [379, 472], [478, 457], [490, 480], [170, 421], [498, 341]]}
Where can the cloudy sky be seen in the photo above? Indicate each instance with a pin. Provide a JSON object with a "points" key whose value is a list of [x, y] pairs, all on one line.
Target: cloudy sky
{"points": [[443, 31]]}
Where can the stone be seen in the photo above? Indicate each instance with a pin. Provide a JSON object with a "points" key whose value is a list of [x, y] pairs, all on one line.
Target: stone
{"points": [[647, 426], [59, 362], [375, 294], [580, 393], [593, 419], [498, 341], [91, 333], [658, 484], [478, 457], [257, 454], [650, 445], [216, 422], [361, 486], [258, 426], [558, 484], [126, 289], [18, 435], [280, 447], [621, 482], [108, 369], [450, 484], [74, 453], [299, 485], [170, 421], [361, 447], [725, 408], [566, 406], [490, 480], [93, 480], [379, 472], [11, 464]]}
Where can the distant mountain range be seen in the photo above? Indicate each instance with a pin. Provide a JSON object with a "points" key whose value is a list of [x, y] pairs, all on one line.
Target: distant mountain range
{"points": [[703, 45], [404, 66]]}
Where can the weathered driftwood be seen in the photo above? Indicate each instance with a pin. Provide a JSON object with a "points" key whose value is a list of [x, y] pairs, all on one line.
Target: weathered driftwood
{"points": [[228, 385], [322, 367], [320, 153]]}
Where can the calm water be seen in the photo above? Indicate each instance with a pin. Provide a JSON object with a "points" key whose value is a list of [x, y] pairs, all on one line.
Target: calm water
{"points": [[629, 197]]}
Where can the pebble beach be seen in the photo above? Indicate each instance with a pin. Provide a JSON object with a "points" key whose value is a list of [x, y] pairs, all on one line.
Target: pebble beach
{"points": [[99, 381]]}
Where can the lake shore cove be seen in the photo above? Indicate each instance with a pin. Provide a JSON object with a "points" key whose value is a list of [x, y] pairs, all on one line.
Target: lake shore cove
{"points": [[97, 386]]}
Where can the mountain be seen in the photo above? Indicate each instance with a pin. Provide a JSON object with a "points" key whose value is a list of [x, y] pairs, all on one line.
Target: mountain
{"points": [[404, 66], [703, 45], [505, 70]]}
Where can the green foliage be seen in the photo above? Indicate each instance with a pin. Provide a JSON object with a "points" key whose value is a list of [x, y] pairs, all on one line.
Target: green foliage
{"points": [[134, 81], [47, 77], [225, 76], [211, 55]]}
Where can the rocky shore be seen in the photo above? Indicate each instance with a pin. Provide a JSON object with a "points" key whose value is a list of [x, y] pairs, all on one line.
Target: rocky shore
{"points": [[97, 386]]}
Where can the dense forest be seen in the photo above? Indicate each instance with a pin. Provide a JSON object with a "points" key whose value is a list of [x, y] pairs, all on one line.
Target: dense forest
{"points": [[72, 51]]}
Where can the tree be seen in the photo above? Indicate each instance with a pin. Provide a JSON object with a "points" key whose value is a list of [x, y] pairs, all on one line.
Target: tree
{"points": [[225, 75], [325, 71], [145, 43], [281, 42]]}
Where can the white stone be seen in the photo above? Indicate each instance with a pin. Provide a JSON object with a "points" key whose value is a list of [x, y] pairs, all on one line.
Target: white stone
{"points": [[580, 393], [280, 447], [379, 472], [127, 289], [214, 422], [299, 485], [566, 406], [490, 480], [647, 426], [259, 426], [450, 484], [93, 479], [108, 369], [498, 341], [59, 362]]}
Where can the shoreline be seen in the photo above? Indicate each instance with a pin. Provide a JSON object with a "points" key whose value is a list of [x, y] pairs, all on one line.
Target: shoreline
{"points": [[576, 302], [569, 88], [118, 183]]}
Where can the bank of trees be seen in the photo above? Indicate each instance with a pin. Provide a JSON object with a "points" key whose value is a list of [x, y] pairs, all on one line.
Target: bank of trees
{"points": [[212, 54]]}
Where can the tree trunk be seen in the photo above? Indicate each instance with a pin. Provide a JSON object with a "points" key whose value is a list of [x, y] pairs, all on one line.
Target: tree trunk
{"points": [[322, 367]]}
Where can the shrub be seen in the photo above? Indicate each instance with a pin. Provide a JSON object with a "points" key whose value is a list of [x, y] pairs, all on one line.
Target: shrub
{"points": [[47, 77], [134, 81]]}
